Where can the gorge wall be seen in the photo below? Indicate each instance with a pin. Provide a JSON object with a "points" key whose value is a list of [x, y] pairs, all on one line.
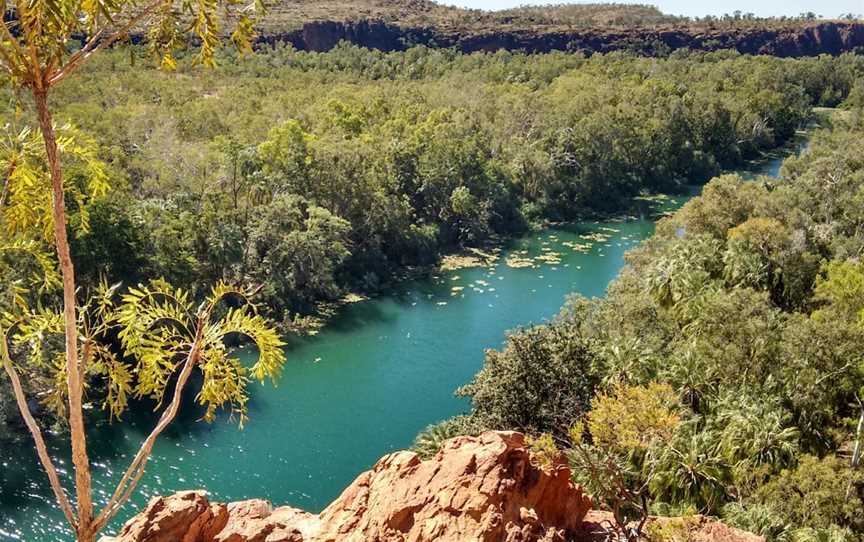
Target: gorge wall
{"points": [[802, 39]]}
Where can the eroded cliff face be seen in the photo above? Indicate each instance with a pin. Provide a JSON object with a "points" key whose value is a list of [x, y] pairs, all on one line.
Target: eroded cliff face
{"points": [[794, 41], [480, 489]]}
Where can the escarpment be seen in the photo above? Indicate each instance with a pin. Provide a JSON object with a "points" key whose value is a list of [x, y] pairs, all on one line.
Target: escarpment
{"points": [[794, 40]]}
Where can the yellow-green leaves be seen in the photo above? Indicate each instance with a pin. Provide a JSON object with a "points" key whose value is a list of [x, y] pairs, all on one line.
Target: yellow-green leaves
{"points": [[225, 383], [27, 184], [253, 326], [206, 27], [118, 379], [36, 47], [841, 291], [631, 418], [544, 453], [160, 329], [43, 279], [243, 34]]}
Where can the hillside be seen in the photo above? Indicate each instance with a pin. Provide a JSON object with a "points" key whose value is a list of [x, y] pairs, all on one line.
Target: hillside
{"points": [[587, 28], [292, 15]]}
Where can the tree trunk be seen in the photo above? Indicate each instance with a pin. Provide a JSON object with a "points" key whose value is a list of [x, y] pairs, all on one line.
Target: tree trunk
{"points": [[856, 455], [73, 376]]}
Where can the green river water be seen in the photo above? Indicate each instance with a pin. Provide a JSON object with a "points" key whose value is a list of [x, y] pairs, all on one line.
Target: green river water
{"points": [[380, 372]]}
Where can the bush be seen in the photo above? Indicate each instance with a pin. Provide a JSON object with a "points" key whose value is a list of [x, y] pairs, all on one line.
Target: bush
{"points": [[429, 441], [814, 495], [541, 382]]}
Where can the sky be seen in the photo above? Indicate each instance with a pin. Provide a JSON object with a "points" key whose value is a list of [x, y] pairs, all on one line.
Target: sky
{"points": [[763, 8]]}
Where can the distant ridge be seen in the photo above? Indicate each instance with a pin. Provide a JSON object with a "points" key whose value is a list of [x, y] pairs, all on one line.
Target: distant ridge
{"points": [[395, 25], [286, 15]]}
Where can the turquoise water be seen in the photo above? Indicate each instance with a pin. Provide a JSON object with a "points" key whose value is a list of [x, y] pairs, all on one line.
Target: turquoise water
{"points": [[380, 372]]}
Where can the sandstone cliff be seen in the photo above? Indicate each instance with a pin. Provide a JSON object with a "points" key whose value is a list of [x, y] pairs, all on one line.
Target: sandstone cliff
{"points": [[795, 40], [483, 489]]}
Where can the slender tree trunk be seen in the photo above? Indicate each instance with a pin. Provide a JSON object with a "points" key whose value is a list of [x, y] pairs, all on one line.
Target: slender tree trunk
{"points": [[856, 454], [35, 432], [73, 375]]}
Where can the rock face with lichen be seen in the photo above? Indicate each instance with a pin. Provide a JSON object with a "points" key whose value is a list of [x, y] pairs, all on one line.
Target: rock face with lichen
{"points": [[484, 488]]}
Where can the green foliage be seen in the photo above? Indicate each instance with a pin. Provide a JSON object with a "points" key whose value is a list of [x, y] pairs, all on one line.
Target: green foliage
{"points": [[112, 246], [753, 321], [429, 441], [159, 327], [540, 382], [398, 147], [160, 330], [691, 470], [632, 418], [842, 292], [614, 448], [22, 158], [814, 495], [544, 452], [295, 251]]}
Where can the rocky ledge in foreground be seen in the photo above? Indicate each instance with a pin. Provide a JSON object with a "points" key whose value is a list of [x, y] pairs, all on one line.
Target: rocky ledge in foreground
{"points": [[476, 488], [481, 489]]}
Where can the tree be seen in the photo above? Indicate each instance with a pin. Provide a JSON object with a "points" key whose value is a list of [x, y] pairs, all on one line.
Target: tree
{"points": [[541, 382], [613, 446], [36, 54], [296, 250], [814, 494]]}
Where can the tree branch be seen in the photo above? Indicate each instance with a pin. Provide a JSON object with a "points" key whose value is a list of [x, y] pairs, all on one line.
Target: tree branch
{"points": [[6, 182], [135, 470], [41, 449], [13, 42], [95, 43], [35, 66]]}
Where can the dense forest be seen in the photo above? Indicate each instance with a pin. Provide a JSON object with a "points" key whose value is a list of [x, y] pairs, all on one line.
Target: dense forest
{"points": [[313, 174], [310, 175], [722, 373], [304, 176]]}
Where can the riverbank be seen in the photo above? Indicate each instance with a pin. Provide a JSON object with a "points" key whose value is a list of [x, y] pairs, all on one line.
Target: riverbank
{"points": [[651, 206]]}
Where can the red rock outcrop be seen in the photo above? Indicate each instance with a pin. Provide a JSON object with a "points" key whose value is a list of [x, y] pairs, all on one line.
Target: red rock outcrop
{"points": [[480, 489], [793, 40]]}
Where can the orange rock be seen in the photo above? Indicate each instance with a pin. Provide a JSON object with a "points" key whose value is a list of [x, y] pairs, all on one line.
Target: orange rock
{"points": [[481, 489], [476, 488]]}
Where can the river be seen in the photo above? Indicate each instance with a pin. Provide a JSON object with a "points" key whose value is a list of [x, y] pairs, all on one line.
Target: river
{"points": [[380, 372]]}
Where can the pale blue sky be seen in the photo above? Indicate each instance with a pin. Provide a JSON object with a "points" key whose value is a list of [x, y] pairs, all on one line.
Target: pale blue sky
{"points": [[765, 8]]}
